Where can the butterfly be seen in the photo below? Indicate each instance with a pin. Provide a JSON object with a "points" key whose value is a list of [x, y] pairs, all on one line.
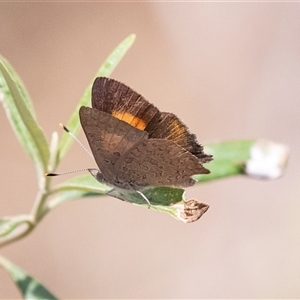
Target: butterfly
{"points": [[134, 144]]}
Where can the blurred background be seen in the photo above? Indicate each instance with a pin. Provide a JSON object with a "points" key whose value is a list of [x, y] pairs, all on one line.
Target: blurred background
{"points": [[230, 71]]}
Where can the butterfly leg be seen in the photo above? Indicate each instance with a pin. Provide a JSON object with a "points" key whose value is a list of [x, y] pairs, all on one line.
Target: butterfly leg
{"points": [[145, 198]]}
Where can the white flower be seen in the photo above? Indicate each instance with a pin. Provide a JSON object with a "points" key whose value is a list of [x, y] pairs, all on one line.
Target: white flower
{"points": [[267, 159]]}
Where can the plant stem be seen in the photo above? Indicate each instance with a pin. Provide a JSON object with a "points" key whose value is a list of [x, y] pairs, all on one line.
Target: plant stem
{"points": [[33, 218]]}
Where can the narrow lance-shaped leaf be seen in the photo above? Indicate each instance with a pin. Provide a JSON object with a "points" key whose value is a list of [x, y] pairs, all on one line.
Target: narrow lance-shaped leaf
{"points": [[75, 188], [164, 199], [259, 158], [9, 224], [30, 287], [18, 110], [229, 158], [105, 70], [20, 84]]}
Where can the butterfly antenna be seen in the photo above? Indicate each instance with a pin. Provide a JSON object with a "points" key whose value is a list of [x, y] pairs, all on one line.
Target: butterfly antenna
{"points": [[64, 173], [76, 139]]}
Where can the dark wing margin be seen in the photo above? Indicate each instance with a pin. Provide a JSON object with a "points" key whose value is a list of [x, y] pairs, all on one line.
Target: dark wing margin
{"points": [[170, 127]]}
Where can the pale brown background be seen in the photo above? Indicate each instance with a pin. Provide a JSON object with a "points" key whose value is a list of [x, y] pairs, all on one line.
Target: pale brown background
{"points": [[230, 71]]}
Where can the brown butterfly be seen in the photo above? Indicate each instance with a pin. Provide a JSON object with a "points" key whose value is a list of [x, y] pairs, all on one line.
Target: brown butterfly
{"points": [[134, 144]]}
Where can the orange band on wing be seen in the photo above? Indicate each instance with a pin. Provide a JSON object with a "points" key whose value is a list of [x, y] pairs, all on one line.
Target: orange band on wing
{"points": [[177, 128], [130, 119]]}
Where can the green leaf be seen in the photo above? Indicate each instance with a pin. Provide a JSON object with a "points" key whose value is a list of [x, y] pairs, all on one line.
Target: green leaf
{"points": [[229, 159], [75, 188], [29, 286], [13, 228], [163, 199], [20, 84], [53, 151], [84, 182], [105, 70], [19, 111], [8, 225], [158, 196], [261, 159]]}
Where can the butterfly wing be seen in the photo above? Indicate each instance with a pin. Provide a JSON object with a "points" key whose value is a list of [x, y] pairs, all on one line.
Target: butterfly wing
{"points": [[109, 138], [156, 162], [124, 103], [170, 127]]}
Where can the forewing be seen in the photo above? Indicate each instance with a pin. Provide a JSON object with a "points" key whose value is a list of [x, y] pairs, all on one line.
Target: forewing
{"points": [[119, 100], [156, 162]]}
